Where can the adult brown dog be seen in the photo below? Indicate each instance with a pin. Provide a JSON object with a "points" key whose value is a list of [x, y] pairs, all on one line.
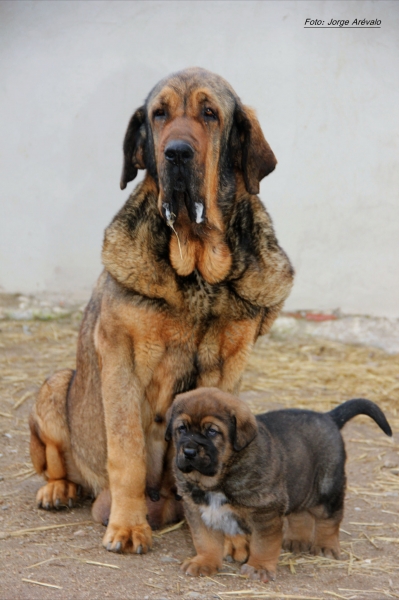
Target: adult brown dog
{"points": [[193, 274], [240, 476]]}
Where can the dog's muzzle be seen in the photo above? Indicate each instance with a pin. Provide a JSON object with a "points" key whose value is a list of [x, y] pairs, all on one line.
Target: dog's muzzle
{"points": [[182, 182], [194, 457], [178, 153]]}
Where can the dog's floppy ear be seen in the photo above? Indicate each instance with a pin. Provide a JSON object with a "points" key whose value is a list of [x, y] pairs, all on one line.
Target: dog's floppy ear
{"points": [[244, 427], [133, 147], [256, 158]]}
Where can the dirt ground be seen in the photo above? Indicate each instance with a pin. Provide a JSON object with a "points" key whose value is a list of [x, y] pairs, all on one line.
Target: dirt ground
{"points": [[59, 554]]}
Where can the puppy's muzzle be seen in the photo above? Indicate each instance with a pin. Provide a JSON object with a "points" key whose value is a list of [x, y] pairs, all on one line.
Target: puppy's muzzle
{"points": [[189, 452]]}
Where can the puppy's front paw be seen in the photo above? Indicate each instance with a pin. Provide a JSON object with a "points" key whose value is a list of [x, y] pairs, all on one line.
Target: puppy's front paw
{"points": [[200, 566], [258, 574], [120, 538]]}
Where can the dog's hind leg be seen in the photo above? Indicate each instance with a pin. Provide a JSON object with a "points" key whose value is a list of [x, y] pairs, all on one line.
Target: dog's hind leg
{"points": [[326, 539], [50, 443], [236, 547], [298, 532]]}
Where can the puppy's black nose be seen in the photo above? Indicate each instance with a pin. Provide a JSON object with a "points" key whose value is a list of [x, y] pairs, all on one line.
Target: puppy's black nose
{"points": [[190, 452], [178, 152]]}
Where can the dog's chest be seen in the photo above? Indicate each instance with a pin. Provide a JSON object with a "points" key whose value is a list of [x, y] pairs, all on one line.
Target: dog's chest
{"points": [[205, 300], [217, 514]]}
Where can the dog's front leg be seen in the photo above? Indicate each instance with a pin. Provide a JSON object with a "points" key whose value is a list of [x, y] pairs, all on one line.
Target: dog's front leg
{"points": [[122, 394], [208, 545]]}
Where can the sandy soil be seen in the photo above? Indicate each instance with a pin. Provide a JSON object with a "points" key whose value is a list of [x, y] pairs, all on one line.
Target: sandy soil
{"points": [[282, 372]]}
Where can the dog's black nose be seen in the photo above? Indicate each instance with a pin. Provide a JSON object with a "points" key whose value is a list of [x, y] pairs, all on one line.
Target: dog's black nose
{"points": [[190, 452], [178, 152]]}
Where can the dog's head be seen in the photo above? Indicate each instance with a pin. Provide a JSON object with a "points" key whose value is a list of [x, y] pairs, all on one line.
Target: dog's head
{"points": [[195, 138], [208, 427]]}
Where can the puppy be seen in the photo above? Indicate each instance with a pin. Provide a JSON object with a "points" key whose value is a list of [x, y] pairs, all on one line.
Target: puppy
{"points": [[242, 476]]}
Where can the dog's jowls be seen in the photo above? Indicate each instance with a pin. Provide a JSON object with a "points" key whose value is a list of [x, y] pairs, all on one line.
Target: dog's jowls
{"points": [[254, 484]]}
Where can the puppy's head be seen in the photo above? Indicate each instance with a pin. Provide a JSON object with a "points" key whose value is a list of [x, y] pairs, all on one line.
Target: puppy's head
{"points": [[208, 427]]}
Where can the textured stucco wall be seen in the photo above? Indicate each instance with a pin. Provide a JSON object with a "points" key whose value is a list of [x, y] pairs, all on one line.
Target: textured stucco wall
{"points": [[71, 74]]}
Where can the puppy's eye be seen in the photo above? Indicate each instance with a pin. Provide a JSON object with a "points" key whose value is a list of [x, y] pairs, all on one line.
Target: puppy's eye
{"points": [[159, 112], [182, 429], [210, 114], [212, 432]]}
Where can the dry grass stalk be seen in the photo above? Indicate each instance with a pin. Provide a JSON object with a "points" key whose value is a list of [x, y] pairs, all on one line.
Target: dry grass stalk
{"points": [[158, 587], [169, 529], [82, 560], [214, 580], [338, 595], [6, 415], [6, 534], [22, 400], [370, 540], [262, 594], [99, 564], [42, 562], [50, 585]]}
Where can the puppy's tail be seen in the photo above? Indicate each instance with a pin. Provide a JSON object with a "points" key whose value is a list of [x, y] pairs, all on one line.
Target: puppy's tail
{"points": [[359, 406]]}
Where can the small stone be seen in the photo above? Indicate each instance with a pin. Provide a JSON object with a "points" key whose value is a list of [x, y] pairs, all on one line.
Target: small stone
{"points": [[169, 559], [80, 533], [5, 507]]}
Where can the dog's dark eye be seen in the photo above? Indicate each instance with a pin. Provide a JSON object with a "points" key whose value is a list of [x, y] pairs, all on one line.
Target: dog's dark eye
{"points": [[182, 429], [212, 432], [209, 113], [159, 112]]}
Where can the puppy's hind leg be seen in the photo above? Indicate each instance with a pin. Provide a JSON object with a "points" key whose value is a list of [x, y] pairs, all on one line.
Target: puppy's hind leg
{"points": [[298, 532], [326, 539], [236, 547], [50, 443]]}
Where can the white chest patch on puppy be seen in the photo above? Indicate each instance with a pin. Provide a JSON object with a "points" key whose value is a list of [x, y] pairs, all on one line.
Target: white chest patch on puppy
{"points": [[217, 514]]}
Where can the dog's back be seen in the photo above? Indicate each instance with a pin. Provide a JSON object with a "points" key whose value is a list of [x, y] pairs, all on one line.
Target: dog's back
{"points": [[314, 449], [314, 454]]}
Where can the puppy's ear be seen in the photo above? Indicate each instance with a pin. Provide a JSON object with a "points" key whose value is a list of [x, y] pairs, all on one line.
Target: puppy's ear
{"points": [[254, 156], [169, 418], [244, 427], [133, 147]]}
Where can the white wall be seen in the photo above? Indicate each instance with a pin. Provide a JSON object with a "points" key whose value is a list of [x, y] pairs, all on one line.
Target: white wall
{"points": [[71, 74]]}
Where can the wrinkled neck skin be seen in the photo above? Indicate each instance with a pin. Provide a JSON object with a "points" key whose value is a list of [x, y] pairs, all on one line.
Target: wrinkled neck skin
{"points": [[243, 252]]}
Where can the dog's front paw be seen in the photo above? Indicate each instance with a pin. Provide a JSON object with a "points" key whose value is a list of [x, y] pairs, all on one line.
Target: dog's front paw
{"points": [[57, 493], [136, 539], [200, 566], [258, 573]]}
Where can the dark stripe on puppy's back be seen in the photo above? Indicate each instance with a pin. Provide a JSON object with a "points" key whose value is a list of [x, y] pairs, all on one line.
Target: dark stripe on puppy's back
{"points": [[359, 406]]}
